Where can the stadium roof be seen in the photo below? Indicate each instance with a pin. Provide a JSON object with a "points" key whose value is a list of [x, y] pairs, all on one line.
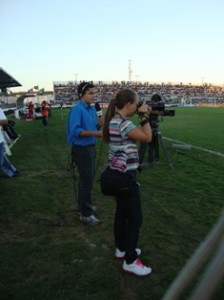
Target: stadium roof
{"points": [[7, 81]]}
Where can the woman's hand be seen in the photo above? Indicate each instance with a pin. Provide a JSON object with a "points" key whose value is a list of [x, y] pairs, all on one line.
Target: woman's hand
{"points": [[144, 108]]}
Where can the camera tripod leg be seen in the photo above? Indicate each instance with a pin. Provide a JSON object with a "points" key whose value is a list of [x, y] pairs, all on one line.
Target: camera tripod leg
{"points": [[163, 145]]}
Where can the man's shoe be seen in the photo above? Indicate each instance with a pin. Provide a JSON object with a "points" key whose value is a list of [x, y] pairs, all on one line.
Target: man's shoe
{"points": [[78, 211], [16, 173], [91, 220], [137, 268], [121, 254], [94, 208]]}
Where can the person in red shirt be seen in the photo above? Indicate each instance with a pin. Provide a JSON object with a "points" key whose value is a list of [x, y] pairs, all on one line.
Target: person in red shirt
{"points": [[45, 107], [30, 108]]}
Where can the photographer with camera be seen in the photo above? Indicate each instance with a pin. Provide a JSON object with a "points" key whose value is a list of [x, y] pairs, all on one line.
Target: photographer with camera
{"points": [[5, 164], [122, 135], [82, 130], [153, 147]]}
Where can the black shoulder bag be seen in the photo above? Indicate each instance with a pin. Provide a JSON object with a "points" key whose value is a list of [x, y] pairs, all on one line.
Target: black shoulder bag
{"points": [[115, 183]]}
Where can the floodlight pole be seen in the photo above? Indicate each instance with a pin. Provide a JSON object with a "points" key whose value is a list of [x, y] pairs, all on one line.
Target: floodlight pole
{"points": [[129, 70]]}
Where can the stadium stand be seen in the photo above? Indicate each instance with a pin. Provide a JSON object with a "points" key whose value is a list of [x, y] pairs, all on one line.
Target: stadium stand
{"points": [[172, 93]]}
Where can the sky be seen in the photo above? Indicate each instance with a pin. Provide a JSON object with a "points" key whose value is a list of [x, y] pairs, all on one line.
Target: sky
{"points": [[43, 41]]}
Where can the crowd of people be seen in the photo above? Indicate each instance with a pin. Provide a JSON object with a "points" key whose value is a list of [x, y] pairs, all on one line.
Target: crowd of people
{"points": [[170, 93]]}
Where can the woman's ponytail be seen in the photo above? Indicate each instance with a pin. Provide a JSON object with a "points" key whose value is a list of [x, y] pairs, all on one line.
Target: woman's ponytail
{"points": [[108, 116]]}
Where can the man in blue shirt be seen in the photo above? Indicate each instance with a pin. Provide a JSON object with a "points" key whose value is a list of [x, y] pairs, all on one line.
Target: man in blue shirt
{"points": [[82, 131]]}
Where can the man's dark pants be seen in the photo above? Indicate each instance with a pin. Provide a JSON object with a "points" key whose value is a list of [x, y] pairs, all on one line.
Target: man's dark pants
{"points": [[84, 158]]}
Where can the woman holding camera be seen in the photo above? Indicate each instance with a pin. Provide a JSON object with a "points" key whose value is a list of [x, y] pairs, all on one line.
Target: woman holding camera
{"points": [[122, 135]]}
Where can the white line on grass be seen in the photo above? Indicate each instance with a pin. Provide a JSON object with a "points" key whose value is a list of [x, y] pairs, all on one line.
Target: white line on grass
{"points": [[195, 147]]}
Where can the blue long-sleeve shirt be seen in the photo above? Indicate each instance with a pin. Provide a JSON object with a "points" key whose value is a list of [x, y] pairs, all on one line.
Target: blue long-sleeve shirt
{"points": [[82, 117]]}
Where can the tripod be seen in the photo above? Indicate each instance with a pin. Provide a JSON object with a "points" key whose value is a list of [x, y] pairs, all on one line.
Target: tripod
{"points": [[157, 133], [154, 148]]}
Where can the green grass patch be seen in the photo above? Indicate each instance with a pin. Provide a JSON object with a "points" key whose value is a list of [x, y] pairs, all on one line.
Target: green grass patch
{"points": [[47, 253]]}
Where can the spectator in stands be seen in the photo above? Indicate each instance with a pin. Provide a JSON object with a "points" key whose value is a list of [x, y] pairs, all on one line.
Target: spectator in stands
{"points": [[82, 130], [5, 164]]}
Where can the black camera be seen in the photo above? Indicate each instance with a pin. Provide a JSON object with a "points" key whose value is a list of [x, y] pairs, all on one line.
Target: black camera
{"points": [[9, 129], [139, 104], [160, 106], [169, 112]]}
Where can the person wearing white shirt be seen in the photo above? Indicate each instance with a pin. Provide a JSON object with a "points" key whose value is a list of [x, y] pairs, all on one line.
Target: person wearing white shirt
{"points": [[5, 164]]}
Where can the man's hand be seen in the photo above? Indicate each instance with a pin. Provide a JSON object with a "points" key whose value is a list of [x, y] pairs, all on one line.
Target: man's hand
{"points": [[101, 121], [144, 108], [4, 122], [99, 134], [157, 112]]}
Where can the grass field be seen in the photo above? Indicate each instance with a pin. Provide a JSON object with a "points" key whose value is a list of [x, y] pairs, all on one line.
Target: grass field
{"points": [[47, 253]]}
